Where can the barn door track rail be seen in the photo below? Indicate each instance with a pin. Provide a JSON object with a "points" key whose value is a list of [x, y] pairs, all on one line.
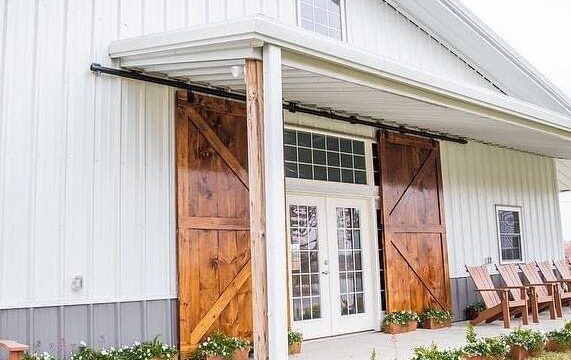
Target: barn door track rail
{"points": [[290, 106]]}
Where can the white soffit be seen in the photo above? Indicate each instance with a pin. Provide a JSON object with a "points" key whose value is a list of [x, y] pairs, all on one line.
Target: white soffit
{"points": [[329, 74]]}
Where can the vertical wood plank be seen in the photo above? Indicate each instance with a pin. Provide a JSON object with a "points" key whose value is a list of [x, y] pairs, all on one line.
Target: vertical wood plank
{"points": [[255, 119]]}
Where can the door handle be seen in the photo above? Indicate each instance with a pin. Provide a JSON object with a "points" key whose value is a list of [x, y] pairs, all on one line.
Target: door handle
{"points": [[325, 272]]}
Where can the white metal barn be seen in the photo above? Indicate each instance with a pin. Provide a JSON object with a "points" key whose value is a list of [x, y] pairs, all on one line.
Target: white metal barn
{"points": [[318, 161]]}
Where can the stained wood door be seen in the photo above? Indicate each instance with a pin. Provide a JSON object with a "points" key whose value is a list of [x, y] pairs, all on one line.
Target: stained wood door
{"points": [[212, 215], [414, 230]]}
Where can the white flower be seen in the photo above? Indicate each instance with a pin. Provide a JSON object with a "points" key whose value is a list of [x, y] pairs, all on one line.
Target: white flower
{"points": [[82, 343]]}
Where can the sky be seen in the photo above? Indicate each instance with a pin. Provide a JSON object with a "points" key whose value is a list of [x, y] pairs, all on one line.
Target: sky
{"points": [[538, 30]]}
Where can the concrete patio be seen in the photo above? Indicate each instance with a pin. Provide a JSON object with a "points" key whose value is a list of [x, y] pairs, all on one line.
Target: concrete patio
{"points": [[360, 346]]}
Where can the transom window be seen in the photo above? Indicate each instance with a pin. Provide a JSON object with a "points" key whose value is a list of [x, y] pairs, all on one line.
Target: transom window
{"points": [[510, 233], [323, 157], [322, 16]]}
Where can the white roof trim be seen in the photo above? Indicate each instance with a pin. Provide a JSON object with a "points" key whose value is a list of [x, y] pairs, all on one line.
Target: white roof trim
{"points": [[464, 33], [227, 39]]}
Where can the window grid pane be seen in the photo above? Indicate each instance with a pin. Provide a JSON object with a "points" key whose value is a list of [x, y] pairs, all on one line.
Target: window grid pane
{"points": [[322, 17], [323, 157], [509, 228], [306, 287], [351, 288]]}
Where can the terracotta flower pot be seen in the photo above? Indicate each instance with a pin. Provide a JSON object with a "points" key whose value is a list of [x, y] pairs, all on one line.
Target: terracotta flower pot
{"points": [[555, 346], [471, 314], [241, 354], [519, 353], [294, 348], [238, 355], [399, 329], [433, 324]]}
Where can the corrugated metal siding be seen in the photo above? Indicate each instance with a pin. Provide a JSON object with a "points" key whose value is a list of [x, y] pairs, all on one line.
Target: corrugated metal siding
{"points": [[59, 329], [376, 27], [476, 177]]}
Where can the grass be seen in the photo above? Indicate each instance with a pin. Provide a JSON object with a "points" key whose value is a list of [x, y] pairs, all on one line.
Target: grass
{"points": [[554, 356]]}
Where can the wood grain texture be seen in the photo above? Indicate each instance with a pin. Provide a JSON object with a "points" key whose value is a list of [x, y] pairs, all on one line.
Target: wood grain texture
{"points": [[255, 116], [414, 230], [213, 219]]}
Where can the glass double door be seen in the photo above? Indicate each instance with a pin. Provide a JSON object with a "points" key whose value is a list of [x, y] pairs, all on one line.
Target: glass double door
{"points": [[331, 268]]}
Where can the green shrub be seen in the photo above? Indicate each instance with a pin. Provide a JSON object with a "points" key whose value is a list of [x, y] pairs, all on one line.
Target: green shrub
{"points": [[527, 338], [562, 336], [433, 353], [400, 317], [35, 356], [152, 349], [494, 346], [438, 315]]}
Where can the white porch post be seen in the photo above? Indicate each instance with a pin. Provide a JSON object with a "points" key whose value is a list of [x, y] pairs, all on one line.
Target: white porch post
{"points": [[275, 203]]}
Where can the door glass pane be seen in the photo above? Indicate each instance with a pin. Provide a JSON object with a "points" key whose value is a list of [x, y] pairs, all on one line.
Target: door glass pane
{"points": [[304, 242], [350, 261]]}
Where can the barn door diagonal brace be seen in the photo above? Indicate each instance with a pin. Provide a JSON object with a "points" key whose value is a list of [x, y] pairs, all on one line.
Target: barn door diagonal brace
{"points": [[413, 265]]}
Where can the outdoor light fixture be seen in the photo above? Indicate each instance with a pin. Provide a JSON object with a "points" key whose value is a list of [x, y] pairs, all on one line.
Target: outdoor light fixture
{"points": [[237, 71]]}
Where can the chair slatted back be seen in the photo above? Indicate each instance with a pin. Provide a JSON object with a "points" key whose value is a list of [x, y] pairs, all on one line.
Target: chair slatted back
{"points": [[531, 274], [563, 269], [510, 276], [483, 280], [547, 270]]}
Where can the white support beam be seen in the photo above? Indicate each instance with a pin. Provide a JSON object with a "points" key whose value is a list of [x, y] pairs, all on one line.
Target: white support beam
{"points": [[275, 204]]}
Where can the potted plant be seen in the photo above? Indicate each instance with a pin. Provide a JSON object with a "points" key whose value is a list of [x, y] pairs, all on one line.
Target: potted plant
{"points": [[220, 346], [493, 348], [524, 343], [398, 322], [294, 340], [473, 310], [435, 318], [558, 340], [433, 353]]}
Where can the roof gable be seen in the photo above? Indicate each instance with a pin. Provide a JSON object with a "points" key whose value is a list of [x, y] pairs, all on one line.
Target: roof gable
{"points": [[461, 31]]}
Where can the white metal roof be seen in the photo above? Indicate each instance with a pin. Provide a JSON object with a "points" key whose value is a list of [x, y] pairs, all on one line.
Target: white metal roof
{"points": [[330, 74]]}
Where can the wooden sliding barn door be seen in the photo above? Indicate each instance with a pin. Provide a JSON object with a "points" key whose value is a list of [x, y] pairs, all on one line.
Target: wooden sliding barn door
{"points": [[416, 259], [213, 225]]}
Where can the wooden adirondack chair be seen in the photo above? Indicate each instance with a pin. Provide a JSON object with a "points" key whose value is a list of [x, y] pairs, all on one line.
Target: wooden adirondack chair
{"points": [[539, 297], [544, 289], [562, 266], [564, 293], [15, 350], [498, 306]]}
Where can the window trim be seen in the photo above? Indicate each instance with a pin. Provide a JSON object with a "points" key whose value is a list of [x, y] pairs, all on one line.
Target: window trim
{"points": [[517, 209], [343, 21]]}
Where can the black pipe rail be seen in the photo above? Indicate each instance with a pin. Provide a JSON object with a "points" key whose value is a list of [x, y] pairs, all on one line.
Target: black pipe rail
{"points": [[290, 106]]}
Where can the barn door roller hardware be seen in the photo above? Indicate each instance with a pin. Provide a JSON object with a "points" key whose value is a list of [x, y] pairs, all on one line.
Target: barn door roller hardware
{"points": [[290, 106]]}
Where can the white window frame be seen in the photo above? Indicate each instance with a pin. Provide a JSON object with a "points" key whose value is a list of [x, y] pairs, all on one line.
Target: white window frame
{"points": [[343, 21], [517, 209]]}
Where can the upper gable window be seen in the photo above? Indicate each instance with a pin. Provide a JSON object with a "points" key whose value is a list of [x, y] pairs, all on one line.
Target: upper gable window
{"points": [[324, 17]]}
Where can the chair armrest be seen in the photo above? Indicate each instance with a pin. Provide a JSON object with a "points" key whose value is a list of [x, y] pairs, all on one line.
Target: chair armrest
{"points": [[12, 346], [486, 290]]}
